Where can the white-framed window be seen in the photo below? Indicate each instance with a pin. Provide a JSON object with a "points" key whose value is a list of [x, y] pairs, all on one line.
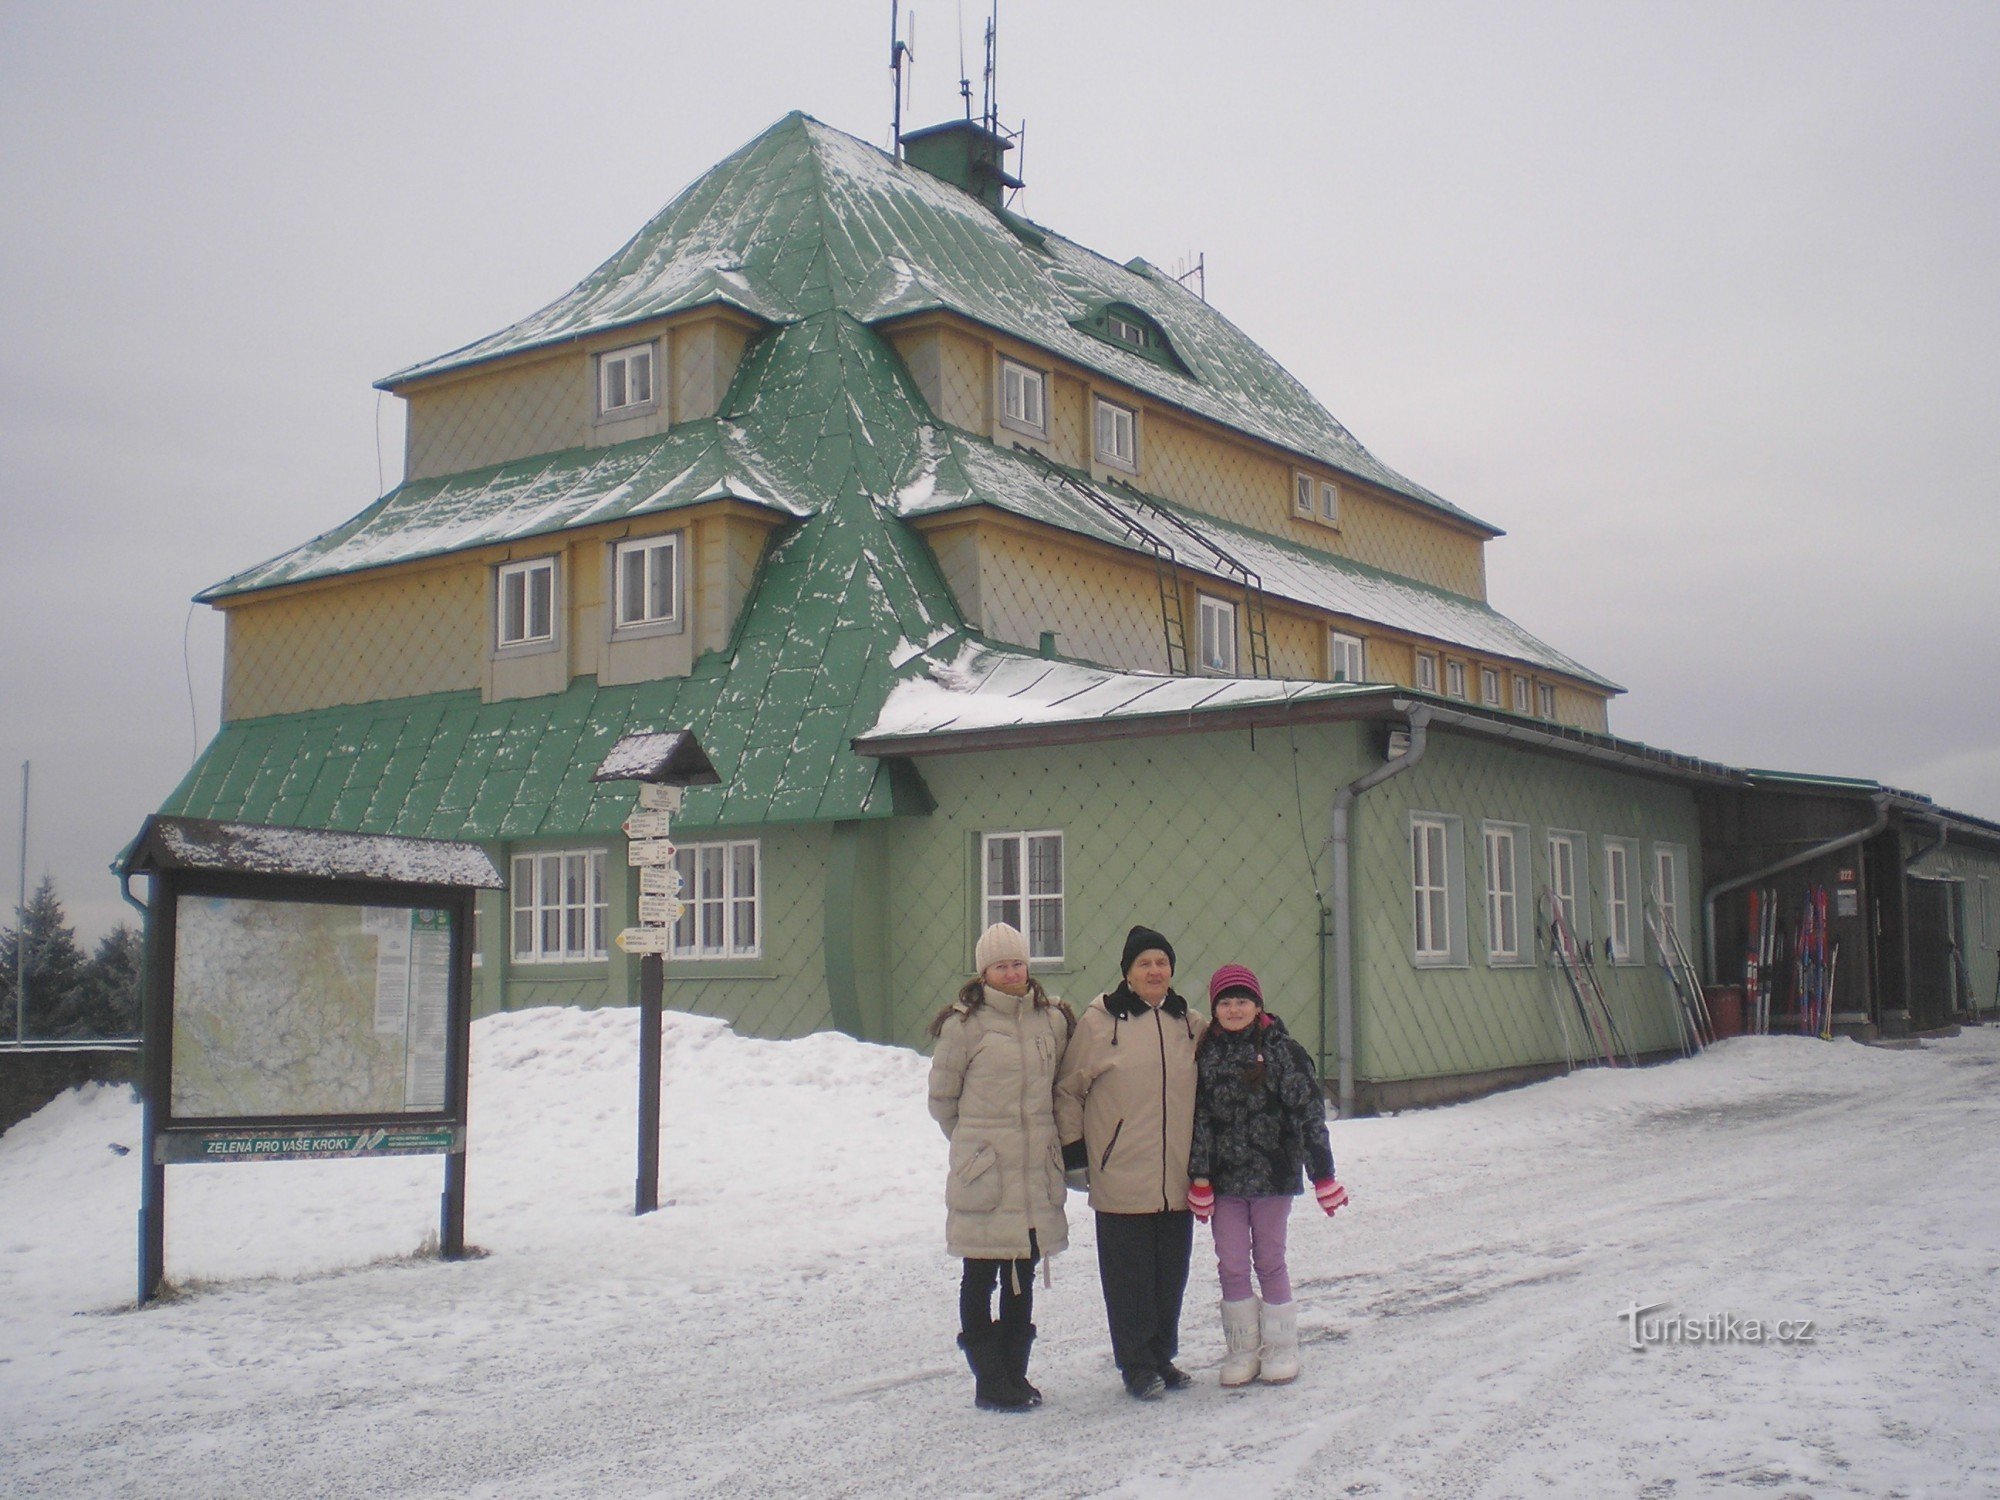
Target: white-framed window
{"points": [[1670, 886], [1454, 679], [1566, 881], [1986, 910], [558, 906], [1218, 634], [1506, 879], [722, 893], [647, 582], [1117, 434], [1489, 687], [1024, 398], [1524, 701], [625, 380], [1021, 884], [525, 603], [1427, 672], [1547, 695], [1302, 494], [1437, 891], [1347, 657], [1619, 859], [1329, 502], [1128, 330]]}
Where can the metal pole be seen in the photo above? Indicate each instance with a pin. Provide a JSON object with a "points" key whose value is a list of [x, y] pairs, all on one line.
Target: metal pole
{"points": [[21, 923], [652, 984]]}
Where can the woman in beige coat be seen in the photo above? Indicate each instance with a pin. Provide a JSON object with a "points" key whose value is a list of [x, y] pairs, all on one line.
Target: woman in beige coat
{"points": [[992, 1090]]}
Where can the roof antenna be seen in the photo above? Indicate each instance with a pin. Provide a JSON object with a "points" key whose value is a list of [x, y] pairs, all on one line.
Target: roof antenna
{"points": [[898, 50], [964, 79], [1199, 271], [989, 114]]}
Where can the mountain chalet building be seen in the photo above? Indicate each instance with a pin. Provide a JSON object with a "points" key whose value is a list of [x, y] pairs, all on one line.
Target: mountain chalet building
{"points": [[999, 581]]}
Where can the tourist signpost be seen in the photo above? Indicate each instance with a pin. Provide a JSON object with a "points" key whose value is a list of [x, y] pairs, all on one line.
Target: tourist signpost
{"points": [[663, 764]]}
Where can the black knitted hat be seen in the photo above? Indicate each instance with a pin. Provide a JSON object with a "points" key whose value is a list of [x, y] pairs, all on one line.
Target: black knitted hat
{"points": [[1138, 940]]}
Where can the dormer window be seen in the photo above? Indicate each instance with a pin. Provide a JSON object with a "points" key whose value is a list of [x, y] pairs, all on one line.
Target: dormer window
{"points": [[625, 383], [1127, 329], [1024, 399], [526, 603], [1329, 502], [1126, 326], [1117, 435], [648, 583], [1302, 494]]}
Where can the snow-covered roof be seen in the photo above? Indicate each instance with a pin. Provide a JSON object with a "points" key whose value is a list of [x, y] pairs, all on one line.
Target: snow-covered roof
{"points": [[807, 219], [959, 471], [168, 843], [982, 687], [529, 497]]}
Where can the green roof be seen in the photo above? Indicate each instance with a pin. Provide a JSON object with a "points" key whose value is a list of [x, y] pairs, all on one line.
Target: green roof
{"points": [[696, 462], [807, 220]]}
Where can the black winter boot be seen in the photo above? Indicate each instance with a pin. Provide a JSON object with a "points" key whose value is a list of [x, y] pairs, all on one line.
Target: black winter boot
{"points": [[993, 1389], [1017, 1341]]}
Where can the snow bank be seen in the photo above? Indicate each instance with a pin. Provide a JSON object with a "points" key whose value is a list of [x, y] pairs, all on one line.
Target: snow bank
{"points": [[783, 1325]]}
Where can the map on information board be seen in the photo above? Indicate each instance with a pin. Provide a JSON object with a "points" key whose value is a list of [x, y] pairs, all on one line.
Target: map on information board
{"points": [[308, 1008]]}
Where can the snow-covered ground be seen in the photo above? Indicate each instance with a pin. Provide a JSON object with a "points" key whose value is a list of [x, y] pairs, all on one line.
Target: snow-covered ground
{"points": [[784, 1327]]}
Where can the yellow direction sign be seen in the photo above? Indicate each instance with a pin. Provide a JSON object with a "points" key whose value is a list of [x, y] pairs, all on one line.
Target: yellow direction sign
{"points": [[660, 798], [648, 825], [659, 880], [650, 851], [643, 940], [659, 911]]}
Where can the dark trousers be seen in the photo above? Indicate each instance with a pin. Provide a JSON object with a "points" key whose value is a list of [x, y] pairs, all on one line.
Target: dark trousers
{"points": [[1016, 1279], [1142, 1262]]}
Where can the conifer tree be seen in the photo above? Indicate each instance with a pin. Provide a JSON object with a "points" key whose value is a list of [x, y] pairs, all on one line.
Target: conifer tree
{"points": [[55, 965]]}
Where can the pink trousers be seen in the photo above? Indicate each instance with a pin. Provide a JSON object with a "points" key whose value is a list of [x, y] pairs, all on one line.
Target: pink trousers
{"points": [[1251, 1232]]}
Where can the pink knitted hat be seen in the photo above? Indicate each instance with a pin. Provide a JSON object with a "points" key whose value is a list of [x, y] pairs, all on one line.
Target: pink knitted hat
{"points": [[1234, 977]]}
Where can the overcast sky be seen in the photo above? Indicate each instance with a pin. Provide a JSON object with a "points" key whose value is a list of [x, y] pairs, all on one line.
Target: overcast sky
{"points": [[1697, 301]]}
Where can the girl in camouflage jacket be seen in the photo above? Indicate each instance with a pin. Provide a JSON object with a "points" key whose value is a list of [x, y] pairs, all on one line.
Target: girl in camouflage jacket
{"points": [[1259, 1129]]}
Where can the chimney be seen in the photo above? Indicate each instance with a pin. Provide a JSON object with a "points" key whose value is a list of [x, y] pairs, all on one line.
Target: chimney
{"points": [[965, 154]]}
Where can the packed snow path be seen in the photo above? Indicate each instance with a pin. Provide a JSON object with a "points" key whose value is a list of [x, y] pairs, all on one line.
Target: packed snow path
{"points": [[784, 1327]]}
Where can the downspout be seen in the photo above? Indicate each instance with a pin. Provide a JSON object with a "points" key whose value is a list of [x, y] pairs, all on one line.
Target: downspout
{"points": [[1343, 914], [1791, 861]]}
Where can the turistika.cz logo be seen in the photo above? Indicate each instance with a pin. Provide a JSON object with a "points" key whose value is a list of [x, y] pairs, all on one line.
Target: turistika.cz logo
{"points": [[1642, 1331]]}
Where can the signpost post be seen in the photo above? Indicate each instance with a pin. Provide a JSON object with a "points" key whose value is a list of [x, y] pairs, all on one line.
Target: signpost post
{"points": [[663, 764]]}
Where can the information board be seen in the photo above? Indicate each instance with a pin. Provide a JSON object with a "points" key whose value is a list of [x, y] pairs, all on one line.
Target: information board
{"points": [[302, 1008]]}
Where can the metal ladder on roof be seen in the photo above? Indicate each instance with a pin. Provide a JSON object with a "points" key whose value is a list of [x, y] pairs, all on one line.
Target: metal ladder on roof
{"points": [[1256, 618], [1166, 567]]}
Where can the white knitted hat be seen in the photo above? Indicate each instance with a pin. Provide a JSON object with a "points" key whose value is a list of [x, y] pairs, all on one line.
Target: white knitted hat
{"points": [[997, 944]]}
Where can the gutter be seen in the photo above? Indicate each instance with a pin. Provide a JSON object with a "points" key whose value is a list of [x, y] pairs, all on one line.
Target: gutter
{"points": [[1342, 934], [1804, 856]]}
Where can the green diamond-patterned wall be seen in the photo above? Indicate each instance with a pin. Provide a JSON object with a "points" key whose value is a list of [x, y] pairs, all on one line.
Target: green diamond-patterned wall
{"points": [[1418, 1023], [1198, 835], [782, 994]]}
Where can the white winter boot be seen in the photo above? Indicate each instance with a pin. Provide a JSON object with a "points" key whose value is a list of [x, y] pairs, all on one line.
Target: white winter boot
{"points": [[1281, 1343], [1239, 1333]]}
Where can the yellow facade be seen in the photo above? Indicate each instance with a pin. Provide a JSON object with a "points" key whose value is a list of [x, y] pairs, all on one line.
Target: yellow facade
{"points": [[427, 627], [1184, 458], [1015, 579], [544, 402]]}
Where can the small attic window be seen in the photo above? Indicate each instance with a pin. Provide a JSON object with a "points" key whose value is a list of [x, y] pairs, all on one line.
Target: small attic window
{"points": [[1127, 329], [625, 384], [1122, 324]]}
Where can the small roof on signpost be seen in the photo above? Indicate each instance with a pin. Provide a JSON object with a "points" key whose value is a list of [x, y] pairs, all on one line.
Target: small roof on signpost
{"points": [[167, 843], [668, 757]]}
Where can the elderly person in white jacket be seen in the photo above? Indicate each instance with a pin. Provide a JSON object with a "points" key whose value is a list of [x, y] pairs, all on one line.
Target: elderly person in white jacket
{"points": [[992, 1090]]}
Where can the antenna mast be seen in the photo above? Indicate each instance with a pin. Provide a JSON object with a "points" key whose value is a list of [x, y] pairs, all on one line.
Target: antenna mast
{"points": [[898, 50], [989, 114]]}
